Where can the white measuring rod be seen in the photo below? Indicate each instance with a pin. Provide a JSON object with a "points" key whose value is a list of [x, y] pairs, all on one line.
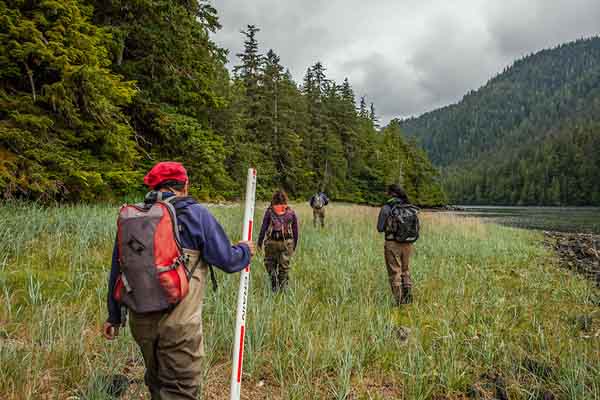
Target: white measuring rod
{"points": [[240, 319]]}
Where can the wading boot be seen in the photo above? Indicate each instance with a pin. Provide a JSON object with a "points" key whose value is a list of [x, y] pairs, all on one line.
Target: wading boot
{"points": [[397, 294], [283, 282], [406, 296], [274, 283]]}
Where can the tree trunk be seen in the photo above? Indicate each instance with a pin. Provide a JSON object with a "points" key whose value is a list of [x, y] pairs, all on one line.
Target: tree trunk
{"points": [[31, 82], [121, 50]]}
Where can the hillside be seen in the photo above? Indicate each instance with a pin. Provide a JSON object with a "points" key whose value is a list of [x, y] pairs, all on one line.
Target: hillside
{"points": [[531, 135], [93, 93]]}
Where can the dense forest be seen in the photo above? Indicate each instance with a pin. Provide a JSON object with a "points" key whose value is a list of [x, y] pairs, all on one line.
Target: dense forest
{"points": [[93, 92], [530, 136]]}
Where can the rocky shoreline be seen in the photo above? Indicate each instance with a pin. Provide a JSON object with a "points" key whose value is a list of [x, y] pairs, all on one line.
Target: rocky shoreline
{"points": [[578, 252]]}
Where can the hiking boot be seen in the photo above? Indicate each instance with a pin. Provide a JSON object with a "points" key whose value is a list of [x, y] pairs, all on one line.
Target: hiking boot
{"points": [[406, 296]]}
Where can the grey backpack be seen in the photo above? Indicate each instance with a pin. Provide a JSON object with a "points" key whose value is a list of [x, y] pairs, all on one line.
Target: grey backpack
{"points": [[402, 225], [318, 201]]}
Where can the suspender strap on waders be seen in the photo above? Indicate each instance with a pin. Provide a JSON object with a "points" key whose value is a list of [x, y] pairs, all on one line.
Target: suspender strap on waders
{"points": [[213, 278]]}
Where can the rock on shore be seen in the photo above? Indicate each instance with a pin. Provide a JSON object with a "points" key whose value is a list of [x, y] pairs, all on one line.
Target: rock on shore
{"points": [[578, 252]]}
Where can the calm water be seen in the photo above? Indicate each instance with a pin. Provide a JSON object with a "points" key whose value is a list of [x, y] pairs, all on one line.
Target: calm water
{"points": [[563, 219]]}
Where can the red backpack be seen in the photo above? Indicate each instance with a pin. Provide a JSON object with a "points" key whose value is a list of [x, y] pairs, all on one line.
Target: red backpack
{"points": [[153, 275]]}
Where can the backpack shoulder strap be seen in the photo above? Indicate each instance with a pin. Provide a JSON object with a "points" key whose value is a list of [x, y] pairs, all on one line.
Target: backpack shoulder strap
{"points": [[272, 215], [213, 278], [394, 205], [289, 213], [168, 203]]}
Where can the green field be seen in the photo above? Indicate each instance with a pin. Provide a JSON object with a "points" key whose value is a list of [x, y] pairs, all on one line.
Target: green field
{"points": [[493, 315]]}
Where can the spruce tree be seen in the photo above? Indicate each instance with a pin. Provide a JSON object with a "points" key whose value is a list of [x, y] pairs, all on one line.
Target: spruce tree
{"points": [[373, 116], [165, 47], [362, 108], [250, 63], [73, 125], [63, 133]]}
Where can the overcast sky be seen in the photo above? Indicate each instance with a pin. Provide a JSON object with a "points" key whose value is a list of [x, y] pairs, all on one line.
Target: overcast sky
{"points": [[406, 56]]}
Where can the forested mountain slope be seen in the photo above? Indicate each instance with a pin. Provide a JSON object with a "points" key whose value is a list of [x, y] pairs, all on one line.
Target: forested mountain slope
{"points": [[93, 92], [531, 135]]}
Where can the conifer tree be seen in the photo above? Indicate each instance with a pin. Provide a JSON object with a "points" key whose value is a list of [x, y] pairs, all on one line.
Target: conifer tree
{"points": [[362, 109], [74, 126], [373, 116], [250, 63], [62, 128], [254, 146], [283, 110], [165, 47]]}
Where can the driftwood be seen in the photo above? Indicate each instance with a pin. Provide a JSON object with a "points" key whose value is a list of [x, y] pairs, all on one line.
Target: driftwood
{"points": [[443, 208]]}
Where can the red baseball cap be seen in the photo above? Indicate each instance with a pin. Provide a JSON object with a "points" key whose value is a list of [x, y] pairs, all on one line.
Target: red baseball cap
{"points": [[165, 171]]}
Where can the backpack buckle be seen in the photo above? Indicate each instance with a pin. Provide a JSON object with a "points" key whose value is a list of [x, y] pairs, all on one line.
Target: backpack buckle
{"points": [[176, 263], [126, 283]]}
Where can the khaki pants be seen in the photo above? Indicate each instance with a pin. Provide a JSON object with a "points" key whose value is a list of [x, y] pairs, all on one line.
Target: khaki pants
{"points": [[319, 213], [397, 256], [277, 262], [172, 343]]}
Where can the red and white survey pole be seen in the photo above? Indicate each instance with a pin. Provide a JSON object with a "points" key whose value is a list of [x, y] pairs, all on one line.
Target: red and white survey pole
{"points": [[240, 319]]}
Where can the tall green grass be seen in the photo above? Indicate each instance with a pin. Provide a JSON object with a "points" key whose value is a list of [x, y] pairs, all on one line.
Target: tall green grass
{"points": [[492, 314]]}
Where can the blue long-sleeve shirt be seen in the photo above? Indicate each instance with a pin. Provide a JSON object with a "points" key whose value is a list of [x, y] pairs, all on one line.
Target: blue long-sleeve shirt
{"points": [[199, 230]]}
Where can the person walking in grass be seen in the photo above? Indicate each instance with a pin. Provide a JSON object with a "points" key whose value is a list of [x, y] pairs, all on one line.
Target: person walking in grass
{"points": [[165, 301], [399, 221], [318, 201], [279, 234]]}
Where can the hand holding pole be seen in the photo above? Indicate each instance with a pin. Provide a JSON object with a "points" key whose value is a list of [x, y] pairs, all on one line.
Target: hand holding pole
{"points": [[240, 320]]}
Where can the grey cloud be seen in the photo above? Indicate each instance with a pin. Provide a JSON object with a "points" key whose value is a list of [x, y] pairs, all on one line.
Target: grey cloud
{"points": [[451, 60], [381, 78], [407, 56], [520, 28], [295, 31]]}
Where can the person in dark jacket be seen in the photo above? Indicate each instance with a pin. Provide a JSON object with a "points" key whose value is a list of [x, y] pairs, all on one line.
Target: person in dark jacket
{"points": [[172, 342], [279, 234], [397, 254], [317, 202]]}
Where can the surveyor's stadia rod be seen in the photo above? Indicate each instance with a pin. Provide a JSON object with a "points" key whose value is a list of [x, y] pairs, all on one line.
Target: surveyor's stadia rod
{"points": [[240, 320]]}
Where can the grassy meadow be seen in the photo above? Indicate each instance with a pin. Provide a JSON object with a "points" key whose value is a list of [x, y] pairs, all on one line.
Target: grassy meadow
{"points": [[493, 316]]}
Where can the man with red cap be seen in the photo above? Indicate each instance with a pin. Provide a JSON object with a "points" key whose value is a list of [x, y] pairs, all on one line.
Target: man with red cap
{"points": [[171, 341]]}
